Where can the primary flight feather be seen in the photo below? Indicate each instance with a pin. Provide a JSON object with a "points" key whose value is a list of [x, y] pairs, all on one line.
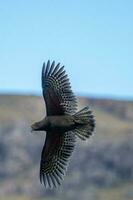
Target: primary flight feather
{"points": [[61, 124]]}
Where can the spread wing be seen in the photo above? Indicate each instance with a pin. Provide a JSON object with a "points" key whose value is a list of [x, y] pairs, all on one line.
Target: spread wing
{"points": [[57, 92], [55, 156]]}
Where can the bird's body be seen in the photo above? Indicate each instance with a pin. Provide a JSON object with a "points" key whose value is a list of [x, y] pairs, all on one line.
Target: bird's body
{"points": [[62, 124]]}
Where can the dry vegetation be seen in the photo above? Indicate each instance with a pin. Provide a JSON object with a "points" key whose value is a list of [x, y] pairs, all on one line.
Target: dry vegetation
{"points": [[101, 168]]}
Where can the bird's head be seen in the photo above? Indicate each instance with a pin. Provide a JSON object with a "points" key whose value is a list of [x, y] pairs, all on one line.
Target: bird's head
{"points": [[39, 126], [35, 127]]}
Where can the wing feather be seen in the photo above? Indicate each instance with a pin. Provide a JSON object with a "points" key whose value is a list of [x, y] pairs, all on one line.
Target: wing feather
{"points": [[55, 156], [51, 68], [57, 91]]}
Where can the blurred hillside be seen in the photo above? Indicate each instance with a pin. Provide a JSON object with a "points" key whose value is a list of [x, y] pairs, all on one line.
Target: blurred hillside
{"points": [[101, 168]]}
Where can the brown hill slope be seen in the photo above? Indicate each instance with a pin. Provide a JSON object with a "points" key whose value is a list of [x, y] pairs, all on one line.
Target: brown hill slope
{"points": [[102, 162]]}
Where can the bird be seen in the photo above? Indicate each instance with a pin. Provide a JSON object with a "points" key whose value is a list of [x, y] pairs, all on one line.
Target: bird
{"points": [[62, 124]]}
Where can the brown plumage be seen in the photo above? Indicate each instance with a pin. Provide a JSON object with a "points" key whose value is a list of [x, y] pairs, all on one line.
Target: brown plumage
{"points": [[61, 124]]}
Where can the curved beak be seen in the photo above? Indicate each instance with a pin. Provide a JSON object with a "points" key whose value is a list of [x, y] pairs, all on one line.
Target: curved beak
{"points": [[31, 130]]}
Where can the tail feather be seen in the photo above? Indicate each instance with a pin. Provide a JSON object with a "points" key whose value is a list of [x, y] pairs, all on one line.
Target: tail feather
{"points": [[85, 123]]}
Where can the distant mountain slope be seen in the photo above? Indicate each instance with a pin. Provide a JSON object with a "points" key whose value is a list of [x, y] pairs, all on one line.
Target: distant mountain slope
{"points": [[102, 162]]}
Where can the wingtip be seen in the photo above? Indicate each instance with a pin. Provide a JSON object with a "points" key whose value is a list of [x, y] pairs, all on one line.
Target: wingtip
{"points": [[43, 71], [53, 63], [43, 67], [40, 176], [48, 63]]}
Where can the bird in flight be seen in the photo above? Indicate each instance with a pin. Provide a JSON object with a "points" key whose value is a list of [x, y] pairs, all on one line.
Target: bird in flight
{"points": [[62, 124]]}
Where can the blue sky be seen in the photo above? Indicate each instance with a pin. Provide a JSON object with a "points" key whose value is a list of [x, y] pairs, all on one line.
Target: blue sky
{"points": [[93, 39]]}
